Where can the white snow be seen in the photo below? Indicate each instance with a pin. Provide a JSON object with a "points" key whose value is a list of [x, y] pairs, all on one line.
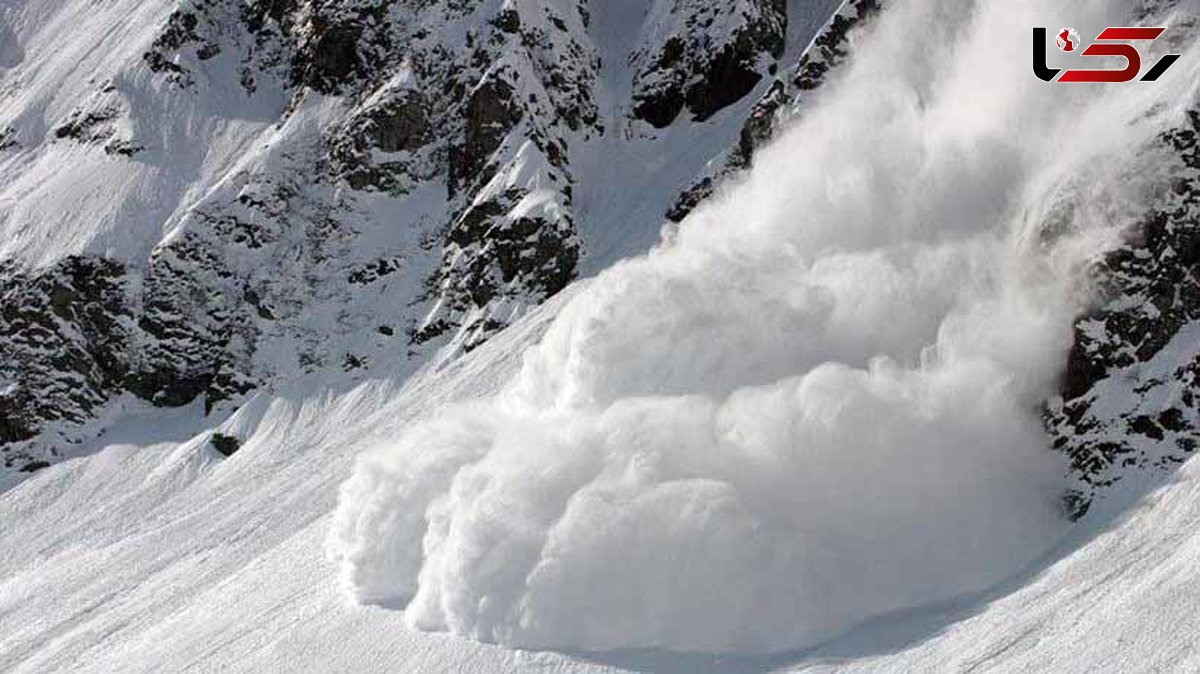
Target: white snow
{"points": [[1125, 601], [814, 406], [68, 198]]}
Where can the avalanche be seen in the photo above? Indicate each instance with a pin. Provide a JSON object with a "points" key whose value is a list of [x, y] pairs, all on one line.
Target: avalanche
{"points": [[814, 403], [801, 434]]}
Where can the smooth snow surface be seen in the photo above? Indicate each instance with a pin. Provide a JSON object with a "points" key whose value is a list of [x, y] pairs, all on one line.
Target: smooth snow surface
{"points": [[62, 198], [817, 401]]}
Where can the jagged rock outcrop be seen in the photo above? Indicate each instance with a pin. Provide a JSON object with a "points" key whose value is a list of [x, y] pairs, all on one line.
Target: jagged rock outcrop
{"points": [[8, 138], [831, 47], [63, 332], [510, 249], [88, 329], [415, 192], [1131, 393], [784, 99], [708, 56], [189, 323]]}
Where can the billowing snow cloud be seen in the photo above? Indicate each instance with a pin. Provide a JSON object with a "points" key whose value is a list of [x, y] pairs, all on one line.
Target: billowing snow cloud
{"points": [[816, 402]]}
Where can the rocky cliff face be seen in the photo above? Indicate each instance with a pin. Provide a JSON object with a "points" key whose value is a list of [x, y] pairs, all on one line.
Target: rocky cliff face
{"points": [[785, 98], [410, 183], [707, 56], [1130, 400]]}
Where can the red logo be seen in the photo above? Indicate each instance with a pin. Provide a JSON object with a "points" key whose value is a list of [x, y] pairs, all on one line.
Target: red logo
{"points": [[1110, 42]]}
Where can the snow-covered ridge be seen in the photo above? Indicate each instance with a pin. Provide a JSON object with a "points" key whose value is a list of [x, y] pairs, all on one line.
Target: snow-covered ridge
{"points": [[233, 193]]}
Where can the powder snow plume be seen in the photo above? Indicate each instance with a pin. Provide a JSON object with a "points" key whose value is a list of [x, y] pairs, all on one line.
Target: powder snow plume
{"points": [[818, 400]]}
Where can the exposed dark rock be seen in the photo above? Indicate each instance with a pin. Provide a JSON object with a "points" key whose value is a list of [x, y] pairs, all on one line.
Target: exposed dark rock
{"points": [[1172, 419], [760, 125], [690, 198], [354, 362], [730, 76], [188, 320], [491, 113], [34, 466], [508, 20], [179, 31], [395, 122], [8, 138], [1151, 294], [88, 126], [123, 148], [498, 257], [258, 12], [227, 445], [330, 56], [659, 109], [784, 99], [1144, 425], [831, 47], [374, 271], [64, 332], [80, 332], [661, 106], [706, 70], [402, 126]]}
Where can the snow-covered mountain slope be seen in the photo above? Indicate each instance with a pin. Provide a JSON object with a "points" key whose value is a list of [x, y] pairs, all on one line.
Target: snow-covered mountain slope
{"points": [[1121, 598], [159, 555], [204, 198], [812, 430], [162, 557], [142, 557]]}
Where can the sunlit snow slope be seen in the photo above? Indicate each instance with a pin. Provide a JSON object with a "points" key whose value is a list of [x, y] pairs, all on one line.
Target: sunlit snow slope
{"points": [[803, 433]]}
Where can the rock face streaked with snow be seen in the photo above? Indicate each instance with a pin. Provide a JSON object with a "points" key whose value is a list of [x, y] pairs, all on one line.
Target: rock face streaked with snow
{"points": [[254, 190], [249, 250], [1130, 398]]}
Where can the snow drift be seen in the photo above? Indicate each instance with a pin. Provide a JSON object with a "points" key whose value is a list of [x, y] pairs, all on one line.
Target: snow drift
{"points": [[817, 400]]}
